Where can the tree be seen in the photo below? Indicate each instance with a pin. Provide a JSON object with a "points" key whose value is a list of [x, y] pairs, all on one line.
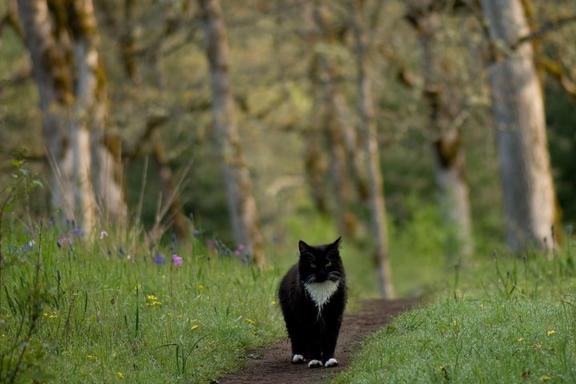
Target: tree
{"points": [[241, 201], [331, 109], [85, 158], [91, 100], [370, 144], [66, 134], [443, 106], [517, 102]]}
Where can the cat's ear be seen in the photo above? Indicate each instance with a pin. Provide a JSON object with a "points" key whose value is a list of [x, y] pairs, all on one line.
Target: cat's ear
{"points": [[303, 247], [336, 243]]}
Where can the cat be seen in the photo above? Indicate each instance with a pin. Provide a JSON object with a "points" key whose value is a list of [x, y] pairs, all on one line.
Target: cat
{"points": [[312, 296]]}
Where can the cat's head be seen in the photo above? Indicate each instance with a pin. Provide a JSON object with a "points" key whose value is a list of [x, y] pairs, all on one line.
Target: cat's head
{"points": [[319, 263]]}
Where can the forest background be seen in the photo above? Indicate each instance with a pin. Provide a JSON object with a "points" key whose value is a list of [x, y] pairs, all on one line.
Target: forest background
{"points": [[431, 135]]}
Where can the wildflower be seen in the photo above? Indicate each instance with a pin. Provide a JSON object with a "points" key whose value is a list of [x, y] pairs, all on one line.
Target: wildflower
{"points": [[239, 251], [152, 301], [103, 235], [64, 241], [50, 315], [194, 327], [78, 232], [120, 375], [159, 259], [274, 302], [91, 357], [551, 332], [250, 321], [28, 246], [177, 260]]}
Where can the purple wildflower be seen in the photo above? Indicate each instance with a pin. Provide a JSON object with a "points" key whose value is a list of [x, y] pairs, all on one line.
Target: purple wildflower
{"points": [[64, 241], [177, 260], [239, 251], [159, 259], [78, 232]]}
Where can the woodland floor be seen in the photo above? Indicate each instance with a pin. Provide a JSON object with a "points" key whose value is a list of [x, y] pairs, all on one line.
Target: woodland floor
{"points": [[272, 364]]}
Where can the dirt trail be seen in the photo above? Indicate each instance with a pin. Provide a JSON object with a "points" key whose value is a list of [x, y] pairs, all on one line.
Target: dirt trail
{"points": [[272, 364]]}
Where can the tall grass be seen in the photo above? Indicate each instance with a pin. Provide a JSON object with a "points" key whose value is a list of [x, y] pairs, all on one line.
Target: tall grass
{"points": [[90, 311], [505, 320]]}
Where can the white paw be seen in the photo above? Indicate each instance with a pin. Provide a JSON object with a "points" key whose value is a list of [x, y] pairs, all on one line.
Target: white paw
{"points": [[297, 359], [332, 362], [314, 364]]}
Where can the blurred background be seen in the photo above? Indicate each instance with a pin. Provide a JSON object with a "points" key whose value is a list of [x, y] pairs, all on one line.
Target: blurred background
{"points": [[427, 133]]}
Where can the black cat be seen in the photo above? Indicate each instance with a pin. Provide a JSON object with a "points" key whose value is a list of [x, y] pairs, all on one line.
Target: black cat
{"points": [[313, 296]]}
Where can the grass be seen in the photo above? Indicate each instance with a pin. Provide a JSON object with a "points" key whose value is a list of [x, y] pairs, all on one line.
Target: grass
{"points": [[87, 312], [513, 321]]}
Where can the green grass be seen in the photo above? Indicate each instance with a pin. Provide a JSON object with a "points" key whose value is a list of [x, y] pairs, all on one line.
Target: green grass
{"points": [[89, 313], [512, 321]]}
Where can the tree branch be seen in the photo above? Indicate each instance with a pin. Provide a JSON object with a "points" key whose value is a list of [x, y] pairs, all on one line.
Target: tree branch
{"points": [[547, 27], [555, 70]]}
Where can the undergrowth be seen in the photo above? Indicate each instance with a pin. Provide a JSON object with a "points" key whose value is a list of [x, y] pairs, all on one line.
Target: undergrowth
{"points": [[89, 311]]}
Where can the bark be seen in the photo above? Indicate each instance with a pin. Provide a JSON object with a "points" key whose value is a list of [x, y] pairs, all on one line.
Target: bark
{"points": [[91, 105], [370, 142], [447, 145], [315, 169], [67, 138], [331, 105], [517, 102], [241, 201], [128, 43]]}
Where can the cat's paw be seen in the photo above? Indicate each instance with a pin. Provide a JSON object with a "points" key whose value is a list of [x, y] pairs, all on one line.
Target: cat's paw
{"points": [[314, 364], [332, 362], [298, 359]]}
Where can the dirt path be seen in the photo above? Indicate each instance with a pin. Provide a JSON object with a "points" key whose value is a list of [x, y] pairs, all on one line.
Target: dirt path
{"points": [[272, 364]]}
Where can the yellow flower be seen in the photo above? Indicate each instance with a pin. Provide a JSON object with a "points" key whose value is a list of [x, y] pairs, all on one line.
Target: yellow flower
{"points": [[551, 332], [545, 378], [91, 357], [250, 321], [520, 339], [120, 375], [200, 287], [152, 300], [50, 315], [274, 302], [194, 326]]}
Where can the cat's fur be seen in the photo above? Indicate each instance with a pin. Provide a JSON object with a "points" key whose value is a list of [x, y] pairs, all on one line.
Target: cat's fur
{"points": [[313, 296]]}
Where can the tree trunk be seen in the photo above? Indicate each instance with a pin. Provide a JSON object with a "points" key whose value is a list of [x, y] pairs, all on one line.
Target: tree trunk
{"points": [[330, 103], [66, 135], [91, 107], [370, 143], [447, 145], [241, 201], [315, 169], [517, 102]]}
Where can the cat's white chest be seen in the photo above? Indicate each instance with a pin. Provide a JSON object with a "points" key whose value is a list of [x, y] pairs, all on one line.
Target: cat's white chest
{"points": [[321, 292]]}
